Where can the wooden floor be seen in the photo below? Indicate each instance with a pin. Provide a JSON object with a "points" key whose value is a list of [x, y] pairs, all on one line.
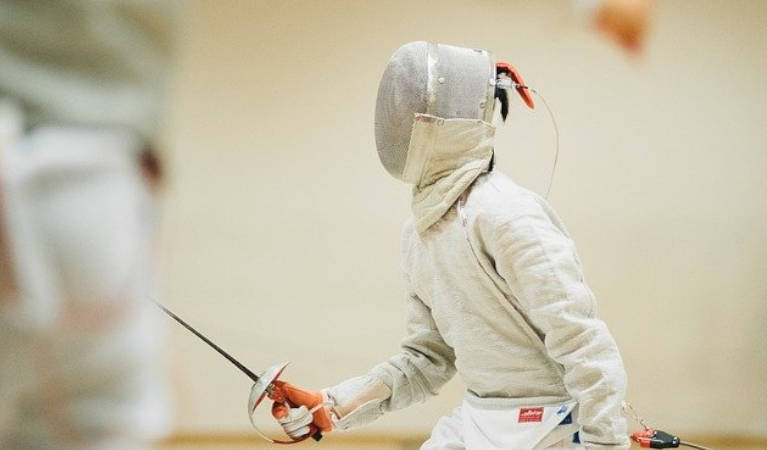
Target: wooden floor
{"points": [[350, 446], [357, 442]]}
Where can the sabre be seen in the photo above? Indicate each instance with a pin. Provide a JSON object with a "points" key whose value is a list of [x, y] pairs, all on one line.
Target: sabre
{"points": [[215, 347], [263, 384]]}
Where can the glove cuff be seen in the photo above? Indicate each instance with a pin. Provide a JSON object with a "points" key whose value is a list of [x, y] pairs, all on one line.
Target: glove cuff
{"points": [[357, 401]]}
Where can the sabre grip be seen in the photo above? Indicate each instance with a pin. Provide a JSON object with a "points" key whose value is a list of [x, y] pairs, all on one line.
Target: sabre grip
{"points": [[293, 396]]}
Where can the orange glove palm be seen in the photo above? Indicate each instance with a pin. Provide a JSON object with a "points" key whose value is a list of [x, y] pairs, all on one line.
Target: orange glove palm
{"points": [[292, 406]]}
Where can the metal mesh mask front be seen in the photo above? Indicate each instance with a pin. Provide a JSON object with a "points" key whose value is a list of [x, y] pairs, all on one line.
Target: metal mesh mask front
{"points": [[441, 80]]}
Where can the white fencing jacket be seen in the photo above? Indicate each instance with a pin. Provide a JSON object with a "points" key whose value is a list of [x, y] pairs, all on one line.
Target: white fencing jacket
{"points": [[495, 292]]}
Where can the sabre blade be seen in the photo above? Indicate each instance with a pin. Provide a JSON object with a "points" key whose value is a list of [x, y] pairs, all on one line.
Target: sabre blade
{"points": [[215, 347]]}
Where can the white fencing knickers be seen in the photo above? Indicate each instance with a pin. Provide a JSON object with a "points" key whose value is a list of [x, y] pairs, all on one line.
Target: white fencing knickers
{"points": [[77, 336], [501, 424]]}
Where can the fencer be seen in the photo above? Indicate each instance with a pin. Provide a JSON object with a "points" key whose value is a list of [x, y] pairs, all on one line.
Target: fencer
{"points": [[80, 99], [495, 290]]}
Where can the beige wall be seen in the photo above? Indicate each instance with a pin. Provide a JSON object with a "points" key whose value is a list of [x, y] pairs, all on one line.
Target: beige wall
{"points": [[282, 230]]}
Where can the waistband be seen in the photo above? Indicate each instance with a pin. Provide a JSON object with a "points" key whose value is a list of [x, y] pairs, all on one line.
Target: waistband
{"points": [[496, 403]]}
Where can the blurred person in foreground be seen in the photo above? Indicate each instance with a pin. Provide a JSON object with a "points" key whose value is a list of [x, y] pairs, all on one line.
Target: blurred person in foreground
{"points": [[81, 89], [495, 289]]}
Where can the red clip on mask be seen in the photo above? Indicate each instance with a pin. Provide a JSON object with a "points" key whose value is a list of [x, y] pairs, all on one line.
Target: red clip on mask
{"points": [[513, 73]]}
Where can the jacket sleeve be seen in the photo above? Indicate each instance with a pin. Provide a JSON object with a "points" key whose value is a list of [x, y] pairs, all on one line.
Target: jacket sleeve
{"points": [[540, 266], [425, 363]]}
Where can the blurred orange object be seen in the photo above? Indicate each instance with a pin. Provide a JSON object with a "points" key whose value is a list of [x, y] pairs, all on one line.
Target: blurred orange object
{"points": [[625, 21]]}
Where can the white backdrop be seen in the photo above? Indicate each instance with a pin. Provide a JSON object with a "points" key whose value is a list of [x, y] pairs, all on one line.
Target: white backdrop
{"points": [[281, 229]]}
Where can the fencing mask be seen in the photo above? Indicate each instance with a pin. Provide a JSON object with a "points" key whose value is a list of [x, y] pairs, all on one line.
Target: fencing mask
{"points": [[440, 80], [435, 79]]}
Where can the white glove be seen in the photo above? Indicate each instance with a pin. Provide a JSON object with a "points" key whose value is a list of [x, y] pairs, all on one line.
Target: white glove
{"points": [[357, 401], [296, 422], [360, 403]]}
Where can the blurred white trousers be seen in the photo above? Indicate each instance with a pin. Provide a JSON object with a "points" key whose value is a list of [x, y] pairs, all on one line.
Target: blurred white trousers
{"points": [[78, 340], [493, 426]]}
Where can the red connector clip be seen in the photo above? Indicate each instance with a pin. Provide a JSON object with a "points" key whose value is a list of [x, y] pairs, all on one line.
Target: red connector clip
{"points": [[650, 438]]}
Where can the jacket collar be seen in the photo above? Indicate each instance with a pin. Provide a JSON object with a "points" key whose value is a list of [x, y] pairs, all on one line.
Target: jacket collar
{"points": [[444, 158]]}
